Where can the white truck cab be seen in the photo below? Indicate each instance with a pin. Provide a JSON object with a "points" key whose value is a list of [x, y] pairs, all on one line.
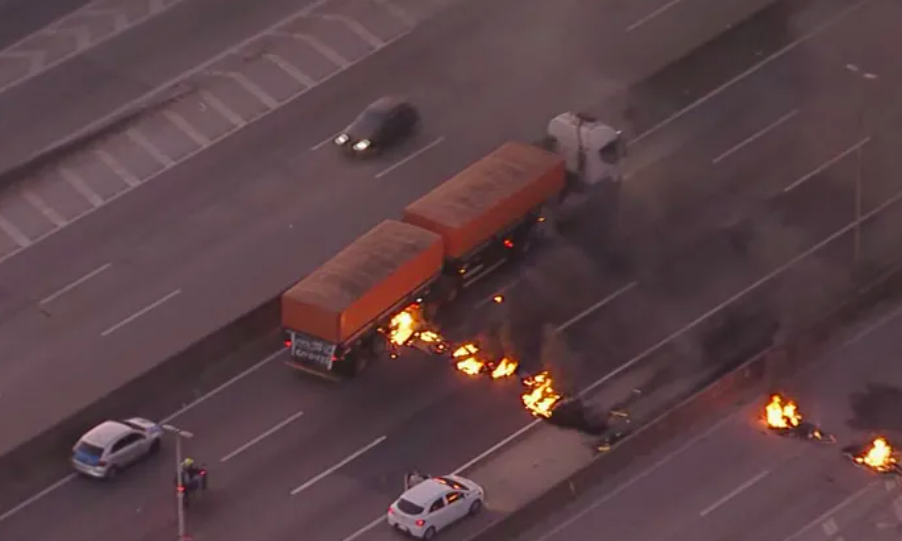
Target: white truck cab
{"points": [[592, 150]]}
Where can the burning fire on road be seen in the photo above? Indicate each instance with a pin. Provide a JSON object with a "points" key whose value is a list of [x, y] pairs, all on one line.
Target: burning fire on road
{"points": [[409, 328], [404, 326], [782, 414], [541, 397], [879, 456]]}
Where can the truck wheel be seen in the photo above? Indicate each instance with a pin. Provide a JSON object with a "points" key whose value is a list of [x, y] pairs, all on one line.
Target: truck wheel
{"points": [[360, 364]]}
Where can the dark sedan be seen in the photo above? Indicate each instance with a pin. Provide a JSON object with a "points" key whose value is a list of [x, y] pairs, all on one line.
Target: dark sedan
{"points": [[384, 123]]}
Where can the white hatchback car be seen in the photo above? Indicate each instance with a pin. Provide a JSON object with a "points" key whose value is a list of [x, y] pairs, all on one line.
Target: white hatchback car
{"points": [[111, 446], [434, 504]]}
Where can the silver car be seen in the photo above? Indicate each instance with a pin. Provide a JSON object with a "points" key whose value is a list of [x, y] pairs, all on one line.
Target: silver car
{"points": [[111, 446]]}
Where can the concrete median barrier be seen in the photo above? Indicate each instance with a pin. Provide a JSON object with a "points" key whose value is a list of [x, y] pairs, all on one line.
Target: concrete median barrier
{"points": [[157, 393], [759, 374], [81, 140]]}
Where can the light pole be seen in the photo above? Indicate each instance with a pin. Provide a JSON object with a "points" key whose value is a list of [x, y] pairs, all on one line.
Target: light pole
{"points": [[180, 489], [867, 76]]}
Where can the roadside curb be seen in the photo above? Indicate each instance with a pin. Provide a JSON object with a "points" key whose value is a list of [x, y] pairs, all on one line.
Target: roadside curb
{"points": [[758, 374], [79, 141], [164, 389]]}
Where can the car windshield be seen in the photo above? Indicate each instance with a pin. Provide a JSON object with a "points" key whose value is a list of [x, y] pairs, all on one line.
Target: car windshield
{"points": [[409, 507], [368, 123], [88, 449]]}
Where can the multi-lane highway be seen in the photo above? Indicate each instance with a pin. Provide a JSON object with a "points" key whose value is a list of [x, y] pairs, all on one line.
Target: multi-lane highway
{"points": [[83, 69], [182, 243], [214, 234], [733, 480]]}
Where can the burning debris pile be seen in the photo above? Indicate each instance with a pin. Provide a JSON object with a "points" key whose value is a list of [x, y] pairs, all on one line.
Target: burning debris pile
{"points": [[540, 398], [877, 455], [409, 329], [781, 415]]}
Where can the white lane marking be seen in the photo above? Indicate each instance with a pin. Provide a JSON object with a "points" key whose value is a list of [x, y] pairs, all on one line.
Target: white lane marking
{"points": [[648, 352], [120, 20], [220, 107], [85, 42], [65, 289], [826, 165], [325, 142], [139, 139], [590, 310], [493, 449], [79, 185], [897, 508], [185, 127], [770, 276], [752, 70], [328, 52], [261, 437], [408, 158], [41, 206], [338, 466], [293, 71], [875, 326], [630, 483], [735, 492], [357, 29], [116, 167], [652, 15], [140, 313], [832, 511], [35, 60], [757, 135], [397, 12], [82, 36], [830, 527], [190, 155], [251, 87], [223, 387], [13, 232], [185, 409]]}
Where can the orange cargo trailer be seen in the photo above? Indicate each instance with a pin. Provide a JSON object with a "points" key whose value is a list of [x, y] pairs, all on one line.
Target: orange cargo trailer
{"points": [[489, 196], [362, 283]]}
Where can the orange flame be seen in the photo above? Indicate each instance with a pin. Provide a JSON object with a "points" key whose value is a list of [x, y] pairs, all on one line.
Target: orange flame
{"points": [[879, 456], [404, 325], [541, 397], [780, 414], [467, 360], [507, 367]]}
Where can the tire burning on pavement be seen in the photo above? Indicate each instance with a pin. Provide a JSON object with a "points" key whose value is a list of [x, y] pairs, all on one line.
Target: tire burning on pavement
{"points": [[781, 414], [877, 455]]}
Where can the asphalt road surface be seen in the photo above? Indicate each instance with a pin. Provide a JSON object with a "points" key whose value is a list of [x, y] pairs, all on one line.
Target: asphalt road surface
{"points": [[734, 480], [94, 62], [262, 196]]}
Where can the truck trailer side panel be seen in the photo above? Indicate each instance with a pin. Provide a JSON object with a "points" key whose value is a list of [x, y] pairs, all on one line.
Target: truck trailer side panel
{"points": [[362, 281], [489, 195]]}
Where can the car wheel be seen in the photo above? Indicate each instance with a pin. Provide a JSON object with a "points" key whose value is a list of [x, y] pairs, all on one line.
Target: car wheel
{"points": [[475, 507], [112, 473], [429, 534], [154, 447]]}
